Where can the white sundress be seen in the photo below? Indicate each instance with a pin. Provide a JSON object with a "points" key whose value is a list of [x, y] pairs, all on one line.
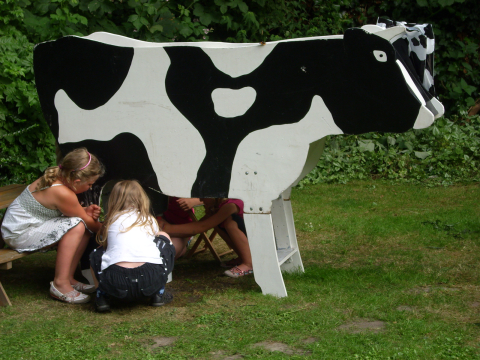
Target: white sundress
{"points": [[30, 226]]}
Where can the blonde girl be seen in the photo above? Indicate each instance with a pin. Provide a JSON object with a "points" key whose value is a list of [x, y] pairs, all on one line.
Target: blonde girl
{"points": [[48, 213], [135, 258]]}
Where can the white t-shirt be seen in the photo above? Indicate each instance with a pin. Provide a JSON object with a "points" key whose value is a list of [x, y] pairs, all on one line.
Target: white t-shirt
{"points": [[135, 245]]}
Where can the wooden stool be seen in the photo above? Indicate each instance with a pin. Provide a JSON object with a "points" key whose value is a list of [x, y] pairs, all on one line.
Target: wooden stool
{"points": [[208, 240]]}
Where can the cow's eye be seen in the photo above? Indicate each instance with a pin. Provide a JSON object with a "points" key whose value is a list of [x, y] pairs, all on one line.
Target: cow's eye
{"points": [[380, 55]]}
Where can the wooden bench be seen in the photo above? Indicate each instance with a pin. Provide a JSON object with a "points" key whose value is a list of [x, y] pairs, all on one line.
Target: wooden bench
{"points": [[7, 195]]}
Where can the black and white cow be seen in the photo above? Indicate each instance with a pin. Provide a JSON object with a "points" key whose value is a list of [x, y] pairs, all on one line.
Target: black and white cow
{"points": [[228, 120]]}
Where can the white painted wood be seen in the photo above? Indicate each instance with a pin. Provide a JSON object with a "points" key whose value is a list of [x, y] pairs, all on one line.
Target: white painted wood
{"points": [[285, 255], [280, 226], [314, 152], [240, 59], [142, 107], [264, 169], [230, 103], [286, 239], [295, 262], [264, 254]]}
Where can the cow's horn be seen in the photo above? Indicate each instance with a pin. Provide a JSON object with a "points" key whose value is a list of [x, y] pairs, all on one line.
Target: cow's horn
{"points": [[392, 33]]}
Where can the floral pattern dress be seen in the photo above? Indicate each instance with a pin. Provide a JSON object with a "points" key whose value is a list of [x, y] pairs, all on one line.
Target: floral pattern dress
{"points": [[30, 226]]}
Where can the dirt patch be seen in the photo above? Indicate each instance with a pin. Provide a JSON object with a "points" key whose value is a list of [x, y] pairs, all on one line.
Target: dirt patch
{"points": [[162, 341], [310, 340], [363, 326], [405, 308], [277, 346], [220, 355]]}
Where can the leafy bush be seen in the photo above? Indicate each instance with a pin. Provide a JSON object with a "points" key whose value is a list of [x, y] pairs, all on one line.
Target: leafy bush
{"points": [[443, 153], [27, 146]]}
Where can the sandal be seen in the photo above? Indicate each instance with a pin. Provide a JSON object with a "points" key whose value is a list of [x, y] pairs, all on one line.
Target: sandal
{"points": [[230, 263], [72, 297], [235, 272], [84, 288]]}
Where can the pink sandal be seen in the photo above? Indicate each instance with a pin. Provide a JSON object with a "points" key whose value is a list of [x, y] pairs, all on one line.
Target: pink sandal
{"points": [[235, 272]]}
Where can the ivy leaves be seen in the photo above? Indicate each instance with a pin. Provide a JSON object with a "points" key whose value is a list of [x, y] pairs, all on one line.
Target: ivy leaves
{"points": [[446, 152]]}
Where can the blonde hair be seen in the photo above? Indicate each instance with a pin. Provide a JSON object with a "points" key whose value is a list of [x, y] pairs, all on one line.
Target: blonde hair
{"points": [[72, 167], [127, 195]]}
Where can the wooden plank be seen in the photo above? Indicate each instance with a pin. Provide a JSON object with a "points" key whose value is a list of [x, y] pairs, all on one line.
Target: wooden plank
{"points": [[7, 255], [9, 193], [6, 266], [4, 300]]}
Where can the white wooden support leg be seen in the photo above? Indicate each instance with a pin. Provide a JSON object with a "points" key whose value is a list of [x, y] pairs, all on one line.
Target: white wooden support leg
{"points": [[284, 227], [266, 268]]}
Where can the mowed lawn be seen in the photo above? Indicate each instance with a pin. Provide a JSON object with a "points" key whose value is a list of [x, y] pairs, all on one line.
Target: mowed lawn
{"points": [[391, 272]]}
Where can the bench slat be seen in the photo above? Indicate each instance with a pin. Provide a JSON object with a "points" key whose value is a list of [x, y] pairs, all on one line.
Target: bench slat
{"points": [[7, 255], [9, 193]]}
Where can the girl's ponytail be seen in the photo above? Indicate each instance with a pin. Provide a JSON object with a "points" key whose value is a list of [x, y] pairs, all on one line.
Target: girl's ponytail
{"points": [[48, 178]]}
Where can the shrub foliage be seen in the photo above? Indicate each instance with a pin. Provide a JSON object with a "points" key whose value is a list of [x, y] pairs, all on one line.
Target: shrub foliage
{"points": [[444, 153]]}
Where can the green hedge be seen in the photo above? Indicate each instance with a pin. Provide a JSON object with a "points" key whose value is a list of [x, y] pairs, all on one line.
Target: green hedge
{"points": [[27, 146]]}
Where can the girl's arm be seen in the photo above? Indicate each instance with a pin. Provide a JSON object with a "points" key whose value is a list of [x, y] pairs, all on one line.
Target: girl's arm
{"points": [[196, 227], [66, 201], [188, 203]]}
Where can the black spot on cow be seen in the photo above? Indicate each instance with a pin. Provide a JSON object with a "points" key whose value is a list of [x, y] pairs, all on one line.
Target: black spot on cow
{"points": [[130, 161], [64, 64], [415, 42], [423, 40], [429, 31]]}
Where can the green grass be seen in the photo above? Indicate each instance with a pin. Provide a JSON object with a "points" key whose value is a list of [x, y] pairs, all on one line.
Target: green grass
{"points": [[391, 272]]}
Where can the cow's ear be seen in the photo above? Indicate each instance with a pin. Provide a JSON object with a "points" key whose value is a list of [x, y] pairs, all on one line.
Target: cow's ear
{"points": [[391, 34]]}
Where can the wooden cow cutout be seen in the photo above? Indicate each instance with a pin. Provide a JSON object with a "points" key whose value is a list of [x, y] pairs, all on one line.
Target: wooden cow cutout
{"points": [[243, 121]]}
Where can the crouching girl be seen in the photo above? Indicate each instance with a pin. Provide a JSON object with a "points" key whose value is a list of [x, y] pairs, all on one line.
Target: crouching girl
{"points": [[136, 257]]}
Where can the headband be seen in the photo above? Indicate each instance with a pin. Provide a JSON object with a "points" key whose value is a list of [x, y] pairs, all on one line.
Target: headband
{"points": [[88, 163]]}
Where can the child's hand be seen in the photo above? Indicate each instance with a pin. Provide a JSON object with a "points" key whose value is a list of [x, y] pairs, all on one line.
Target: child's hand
{"points": [[187, 203], [93, 211]]}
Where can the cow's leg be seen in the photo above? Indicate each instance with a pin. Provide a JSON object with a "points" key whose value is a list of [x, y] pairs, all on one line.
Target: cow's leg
{"points": [[287, 248], [263, 248]]}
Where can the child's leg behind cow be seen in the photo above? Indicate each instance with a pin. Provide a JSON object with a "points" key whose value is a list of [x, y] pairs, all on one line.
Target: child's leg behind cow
{"points": [[240, 244]]}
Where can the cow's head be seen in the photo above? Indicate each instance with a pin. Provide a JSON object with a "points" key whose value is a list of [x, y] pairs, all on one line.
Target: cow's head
{"points": [[389, 94]]}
